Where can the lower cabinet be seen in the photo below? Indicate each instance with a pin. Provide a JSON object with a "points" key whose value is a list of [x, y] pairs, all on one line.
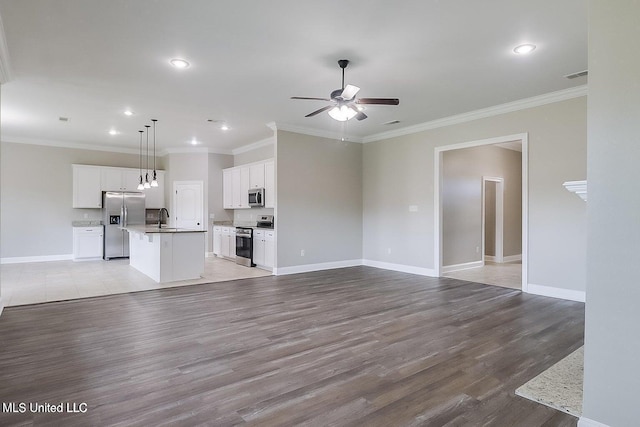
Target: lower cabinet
{"points": [[264, 248], [224, 242], [87, 243]]}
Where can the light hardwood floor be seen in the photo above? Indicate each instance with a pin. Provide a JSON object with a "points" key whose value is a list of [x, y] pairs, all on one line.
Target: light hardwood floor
{"points": [[36, 282], [349, 347], [507, 275]]}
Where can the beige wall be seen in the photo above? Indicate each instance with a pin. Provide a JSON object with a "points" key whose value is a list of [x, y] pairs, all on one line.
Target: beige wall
{"points": [[319, 207], [490, 219], [262, 153], [612, 344], [36, 197], [462, 172], [398, 172]]}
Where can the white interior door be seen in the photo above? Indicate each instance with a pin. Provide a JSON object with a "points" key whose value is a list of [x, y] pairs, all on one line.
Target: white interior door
{"points": [[187, 205]]}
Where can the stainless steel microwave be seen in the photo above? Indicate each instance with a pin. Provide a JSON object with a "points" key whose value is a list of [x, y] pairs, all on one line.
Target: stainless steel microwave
{"points": [[256, 197]]}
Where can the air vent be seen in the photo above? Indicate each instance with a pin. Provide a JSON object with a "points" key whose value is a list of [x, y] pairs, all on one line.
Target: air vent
{"points": [[63, 119], [578, 74], [392, 122]]}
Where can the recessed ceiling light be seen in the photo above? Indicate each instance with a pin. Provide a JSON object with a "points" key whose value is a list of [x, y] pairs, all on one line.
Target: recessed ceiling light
{"points": [[224, 127], [179, 63], [113, 132], [128, 113], [194, 142], [523, 49]]}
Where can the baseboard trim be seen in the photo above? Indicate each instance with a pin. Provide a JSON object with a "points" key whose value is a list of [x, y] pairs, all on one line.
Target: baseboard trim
{"points": [[463, 266], [209, 255], [549, 291], [586, 422], [306, 268], [44, 258], [512, 258], [421, 271], [490, 258]]}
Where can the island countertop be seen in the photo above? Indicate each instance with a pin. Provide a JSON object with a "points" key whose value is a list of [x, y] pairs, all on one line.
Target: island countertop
{"points": [[147, 229]]}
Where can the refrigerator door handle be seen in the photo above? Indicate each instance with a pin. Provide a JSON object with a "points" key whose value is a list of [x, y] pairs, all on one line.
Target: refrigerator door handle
{"points": [[125, 216]]}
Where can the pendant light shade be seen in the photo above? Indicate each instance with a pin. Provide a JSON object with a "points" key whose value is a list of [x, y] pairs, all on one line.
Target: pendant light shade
{"points": [[140, 185], [154, 181]]}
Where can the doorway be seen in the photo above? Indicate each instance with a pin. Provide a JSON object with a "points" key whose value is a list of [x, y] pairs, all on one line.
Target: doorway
{"points": [[482, 263], [188, 204], [492, 219]]}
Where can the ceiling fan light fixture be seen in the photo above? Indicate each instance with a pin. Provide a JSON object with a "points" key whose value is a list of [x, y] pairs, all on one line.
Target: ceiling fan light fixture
{"points": [[342, 113]]}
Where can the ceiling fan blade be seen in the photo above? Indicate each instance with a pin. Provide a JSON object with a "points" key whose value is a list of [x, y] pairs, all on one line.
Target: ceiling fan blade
{"points": [[380, 101], [321, 110], [313, 99], [361, 115], [349, 92]]}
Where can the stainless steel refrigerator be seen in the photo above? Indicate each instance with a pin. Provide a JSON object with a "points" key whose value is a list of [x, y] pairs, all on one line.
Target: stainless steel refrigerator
{"points": [[119, 210]]}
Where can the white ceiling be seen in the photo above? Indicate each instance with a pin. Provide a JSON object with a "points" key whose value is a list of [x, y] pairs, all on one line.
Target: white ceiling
{"points": [[89, 60]]}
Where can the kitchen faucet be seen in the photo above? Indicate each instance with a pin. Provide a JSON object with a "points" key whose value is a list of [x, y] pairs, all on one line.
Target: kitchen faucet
{"points": [[160, 216]]}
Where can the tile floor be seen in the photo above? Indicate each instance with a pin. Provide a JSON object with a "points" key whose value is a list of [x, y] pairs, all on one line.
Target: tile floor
{"points": [[507, 275], [31, 283]]}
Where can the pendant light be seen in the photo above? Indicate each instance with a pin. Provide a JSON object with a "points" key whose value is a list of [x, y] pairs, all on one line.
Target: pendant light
{"points": [[140, 185], [154, 181], [146, 179]]}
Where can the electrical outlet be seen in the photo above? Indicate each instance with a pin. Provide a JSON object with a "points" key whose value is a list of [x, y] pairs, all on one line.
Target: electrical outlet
{"points": [[302, 252], [212, 216], [477, 249], [413, 208], [86, 216], [388, 251]]}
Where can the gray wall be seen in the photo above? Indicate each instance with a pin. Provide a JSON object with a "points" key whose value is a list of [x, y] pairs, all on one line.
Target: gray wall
{"points": [[398, 172], [490, 218], [462, 172], [36, 192], [262, 153], [319, 187], [611, 375]]}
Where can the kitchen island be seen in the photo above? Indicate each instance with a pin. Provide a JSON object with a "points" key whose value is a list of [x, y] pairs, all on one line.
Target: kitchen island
{"points": [[167, 254]]}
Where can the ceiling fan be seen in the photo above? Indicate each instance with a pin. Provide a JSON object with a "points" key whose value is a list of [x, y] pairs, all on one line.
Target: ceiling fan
{"points": [[343, 102]]}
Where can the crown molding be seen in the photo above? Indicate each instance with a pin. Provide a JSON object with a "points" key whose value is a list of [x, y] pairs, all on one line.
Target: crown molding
{"points": [[253, 146], [5, 67], [522, 104], [193, 150], [314, 132], [67, 144]]}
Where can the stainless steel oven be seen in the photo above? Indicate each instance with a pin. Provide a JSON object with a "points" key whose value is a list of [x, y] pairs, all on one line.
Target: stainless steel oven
{"points": [[244, 246]]}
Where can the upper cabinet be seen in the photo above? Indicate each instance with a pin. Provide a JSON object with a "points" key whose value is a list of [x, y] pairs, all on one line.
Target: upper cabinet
{"points": [[90, 181], [87, 191], [256, 176], [120, 179], [237, 181]]}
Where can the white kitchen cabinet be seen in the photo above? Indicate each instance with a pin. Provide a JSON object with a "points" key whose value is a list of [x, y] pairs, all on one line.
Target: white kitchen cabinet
{"points": [[237, 181], [240, 187], [227, 242], [264, 248], [217, 240], [258, 247], [87, 192], [269, 184], [87, 243], [154, 196], [256, 175], [270, 249], [120, 179], [227, 188]]}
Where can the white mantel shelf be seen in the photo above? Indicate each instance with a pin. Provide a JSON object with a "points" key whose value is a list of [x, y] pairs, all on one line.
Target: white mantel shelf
{"points": [[578, 187]]}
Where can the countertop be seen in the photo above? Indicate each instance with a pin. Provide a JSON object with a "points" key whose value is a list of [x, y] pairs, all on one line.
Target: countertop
{"points": [[155, 230], [86, 223]]}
